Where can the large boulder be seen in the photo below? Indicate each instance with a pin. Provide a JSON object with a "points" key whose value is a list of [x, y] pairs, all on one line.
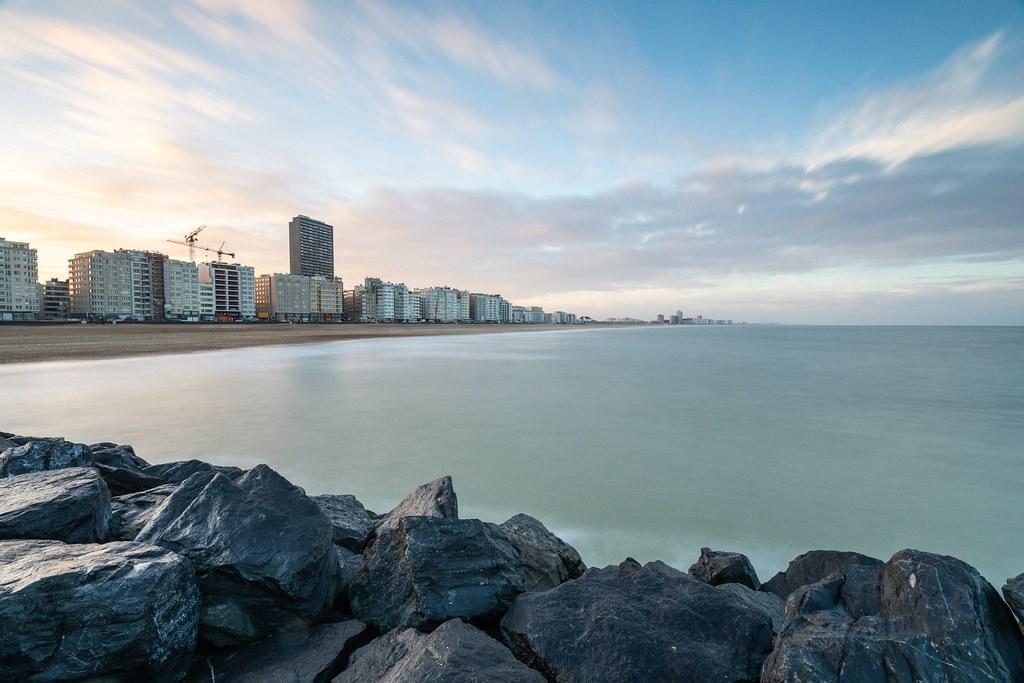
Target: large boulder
{"points": [[70, 504], [428, 570], [180, 470], [350, 521], [718, 566], [40, 455], [647, 624], [6, 442], [547, 560], [455, 651], [933, 618], [1013, 591], [812, 567], [295, 656], [769, 604], [116, 455], [264, 553], [122, 480], [71, 611], [131, 512], [433, 499]]}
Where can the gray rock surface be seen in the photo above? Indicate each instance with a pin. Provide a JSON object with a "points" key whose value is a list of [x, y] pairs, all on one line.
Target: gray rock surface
{"points": [[433, 499], [122, 480], [70, 504], [298, 656], [70, 611], [769, 604], [934, 619], [454, 652], [812, 567], [6, 442], [547, 560], [718, 566], [1013, 592], [351, 523], [264, 553], [43, 454], [178, 471], [428, 570], [649, 624], [116, 455], [131, 512]]}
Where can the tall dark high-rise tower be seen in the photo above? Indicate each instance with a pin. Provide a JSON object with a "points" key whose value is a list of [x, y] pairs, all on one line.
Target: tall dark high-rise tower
{"points": [[311, 247]]}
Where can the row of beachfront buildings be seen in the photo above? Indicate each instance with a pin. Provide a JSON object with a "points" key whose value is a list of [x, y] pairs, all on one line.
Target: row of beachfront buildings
{"points": [[131, 284]]}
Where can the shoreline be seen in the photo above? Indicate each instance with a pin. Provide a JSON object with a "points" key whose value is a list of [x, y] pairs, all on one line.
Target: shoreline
{"points": [[44, 343]]}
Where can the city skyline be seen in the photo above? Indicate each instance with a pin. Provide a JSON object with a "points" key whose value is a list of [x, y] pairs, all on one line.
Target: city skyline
{"points": [[761, 163]]}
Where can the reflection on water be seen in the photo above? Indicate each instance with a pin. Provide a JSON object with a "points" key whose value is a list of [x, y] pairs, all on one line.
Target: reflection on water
{"points": [[642, 442]]}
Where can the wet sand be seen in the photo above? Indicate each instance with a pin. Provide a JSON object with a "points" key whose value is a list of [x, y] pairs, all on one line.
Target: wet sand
{"points": [[37, 343]]}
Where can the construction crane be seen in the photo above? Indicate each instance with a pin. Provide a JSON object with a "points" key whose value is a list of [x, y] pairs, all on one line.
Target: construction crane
{"points": [[190, 242]]}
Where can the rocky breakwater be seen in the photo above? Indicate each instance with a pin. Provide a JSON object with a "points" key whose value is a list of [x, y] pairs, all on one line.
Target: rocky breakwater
{"points": [[114, 569]]}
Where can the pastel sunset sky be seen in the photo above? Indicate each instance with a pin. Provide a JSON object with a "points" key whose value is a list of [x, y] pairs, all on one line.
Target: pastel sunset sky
{"points": [[811, 162]]}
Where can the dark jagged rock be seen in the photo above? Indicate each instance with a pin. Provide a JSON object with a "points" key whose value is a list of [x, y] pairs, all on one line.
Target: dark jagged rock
{"points": [[351, 523], [647, 624], [935, 619], [297, 656], [454, 652], [547, 559], [116, 455], [812, 567], [71, 611], [263, 552], [717, 567], [1013, 591], [431, 569], [433, 499], [121, 480], [40, 455], [179, 471], [131, 512], [70, 504], [771, 605], [6, 442]]}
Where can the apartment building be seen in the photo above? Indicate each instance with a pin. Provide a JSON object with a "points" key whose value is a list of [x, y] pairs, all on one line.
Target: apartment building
{"points": [[283, 297], [234, 289], [326, 299], [19, 281], [182, 300], [311, 247], [489, 308], [444, 304], [105, 285], [56, 300], [374, 301], [408, 305]]}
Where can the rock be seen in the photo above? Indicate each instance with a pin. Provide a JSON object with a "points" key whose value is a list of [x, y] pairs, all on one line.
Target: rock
{"points": [[71, 504], [43, 454], [647, 624], [70, 611], [1013, 591], [428, 570], [5, 442], [812, 567], [179, 471], [122, 480], [771, 605], [298, 656], [455, 651], [434, 499], [717, 567], [263, 552], [351, 523], [116, 455], [548, 560], [935, 619], [131, 512]]}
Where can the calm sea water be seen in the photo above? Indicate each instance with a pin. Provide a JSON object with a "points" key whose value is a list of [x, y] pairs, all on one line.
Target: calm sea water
{"points": [[641, 442]]}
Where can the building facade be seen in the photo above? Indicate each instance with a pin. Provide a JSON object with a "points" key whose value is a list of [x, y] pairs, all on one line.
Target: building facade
{"points": [[283, 297], [489, 308], [105, 285], [56, 300], [19, 281], [181, 291], [311, 247], [408, 305], [234, 289], [326, 299], [444, 304], [374, 301]]}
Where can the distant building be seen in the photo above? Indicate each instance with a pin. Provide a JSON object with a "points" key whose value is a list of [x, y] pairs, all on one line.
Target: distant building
{"points": [[182, 300], [518, 314], [283, 297], [56, 300], [311, 247], [374, 301], [19, 281], [326, 299], [158, 298], [444, 304], [535, 314], [489, 308], [408, 305], [104, 285], [234, 289], [207, 303]]}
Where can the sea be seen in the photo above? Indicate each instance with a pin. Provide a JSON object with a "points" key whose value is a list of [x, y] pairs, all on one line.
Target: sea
{"points": [[644, 442]]}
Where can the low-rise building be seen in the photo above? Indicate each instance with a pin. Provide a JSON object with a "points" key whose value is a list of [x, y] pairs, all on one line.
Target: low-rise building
{"points": [[19, 281]]}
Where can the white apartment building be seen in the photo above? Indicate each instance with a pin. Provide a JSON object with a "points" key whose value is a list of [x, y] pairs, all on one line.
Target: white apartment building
{"points": [[234, 289], [408, 305], [105, 285], [19, 281], [489, 308], [534, 314], [444, 304], [283, 297], [181, 290], [207, 306], [326, 299], [374, 300]]}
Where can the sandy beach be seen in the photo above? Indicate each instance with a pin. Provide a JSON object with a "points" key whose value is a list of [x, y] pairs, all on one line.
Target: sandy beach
{"points": [[30, 343]]}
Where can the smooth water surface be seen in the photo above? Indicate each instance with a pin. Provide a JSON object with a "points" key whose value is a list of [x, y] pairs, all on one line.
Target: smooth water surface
{"points": [[647, 442]]}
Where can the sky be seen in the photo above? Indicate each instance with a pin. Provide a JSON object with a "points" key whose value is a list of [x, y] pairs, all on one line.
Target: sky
{"points": [[795, 162]]}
